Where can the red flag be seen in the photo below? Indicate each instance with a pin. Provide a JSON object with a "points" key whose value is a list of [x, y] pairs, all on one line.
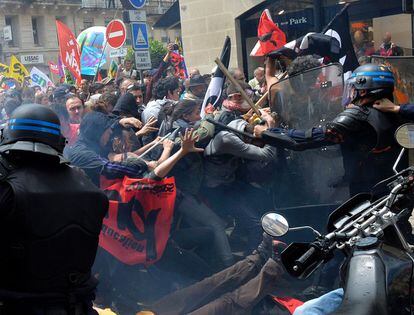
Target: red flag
{"points": [[180, 69], [53, 68], [99, 77], [270, 36], [137, 226], [289, 303], [69, 50]]}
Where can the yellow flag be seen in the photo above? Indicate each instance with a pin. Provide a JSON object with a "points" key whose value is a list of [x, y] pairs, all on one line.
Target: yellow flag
{"points": [[4, 69], [17, 70]]}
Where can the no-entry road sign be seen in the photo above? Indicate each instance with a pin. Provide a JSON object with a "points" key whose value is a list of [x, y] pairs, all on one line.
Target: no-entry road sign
{"points": [[116, 33]]}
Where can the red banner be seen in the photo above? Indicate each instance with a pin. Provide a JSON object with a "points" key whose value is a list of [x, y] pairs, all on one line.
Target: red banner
{"points": [[69, 50], [137, 226], [54, 68]]}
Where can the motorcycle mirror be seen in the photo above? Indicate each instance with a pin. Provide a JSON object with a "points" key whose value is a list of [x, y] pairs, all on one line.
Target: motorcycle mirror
{"points": [[405, 136], [275, 224]]}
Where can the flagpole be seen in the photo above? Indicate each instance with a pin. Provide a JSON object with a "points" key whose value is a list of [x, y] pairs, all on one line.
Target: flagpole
{"points": [[327, 27], [103, 51]]}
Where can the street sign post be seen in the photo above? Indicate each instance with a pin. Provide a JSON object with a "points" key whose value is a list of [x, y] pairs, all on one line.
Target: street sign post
{"points": [[7, 32], [121, 52], [116, 33], [142, 60], [139, 36], [135, 16]]}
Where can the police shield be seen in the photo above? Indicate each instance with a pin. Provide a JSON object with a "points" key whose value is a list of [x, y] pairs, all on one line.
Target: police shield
{"points": [[306, 100], [403, 69]]}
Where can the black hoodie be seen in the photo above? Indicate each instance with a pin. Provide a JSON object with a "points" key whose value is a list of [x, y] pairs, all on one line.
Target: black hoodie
{"points": [[126, 105]]}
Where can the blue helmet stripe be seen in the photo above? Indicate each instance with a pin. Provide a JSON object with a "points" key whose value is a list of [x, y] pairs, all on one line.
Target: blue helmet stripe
{"points": [[34, 128], [372, 74], [34, 122], [383, 80]]}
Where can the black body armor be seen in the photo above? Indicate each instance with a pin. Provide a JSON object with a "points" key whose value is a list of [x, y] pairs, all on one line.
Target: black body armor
{"points": [[50, 236]]}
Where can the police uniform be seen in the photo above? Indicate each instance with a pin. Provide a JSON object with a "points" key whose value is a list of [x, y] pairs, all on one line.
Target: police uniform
{"points": [[51, 220], [366, 135]]}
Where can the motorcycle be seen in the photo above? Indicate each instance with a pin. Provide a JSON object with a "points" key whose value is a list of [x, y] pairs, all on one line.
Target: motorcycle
{"points": [[377, 274]]}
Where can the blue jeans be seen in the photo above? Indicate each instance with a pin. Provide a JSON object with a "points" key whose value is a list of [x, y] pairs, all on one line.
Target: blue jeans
{"points": [[234, 199], [196, 213], [323, 305]]}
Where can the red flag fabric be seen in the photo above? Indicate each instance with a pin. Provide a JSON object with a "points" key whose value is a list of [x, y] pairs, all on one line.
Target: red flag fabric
{"points": [[69, 50], [53, 68], [137, 226], [180, 69], [270, 36], [289, 303]]}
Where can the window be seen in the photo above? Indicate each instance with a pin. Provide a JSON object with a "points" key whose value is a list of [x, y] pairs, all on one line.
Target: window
{"points": [[35, 30], [12, 22], [165, 39], [87, 22], [62, 19]]}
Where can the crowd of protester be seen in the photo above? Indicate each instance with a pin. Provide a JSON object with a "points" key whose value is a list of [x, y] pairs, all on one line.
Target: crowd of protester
{"points": [[151, 127], [108, 125]]}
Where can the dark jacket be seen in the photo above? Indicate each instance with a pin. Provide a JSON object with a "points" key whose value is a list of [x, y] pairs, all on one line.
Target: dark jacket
{"points": [[88, 155], [126, 106]]}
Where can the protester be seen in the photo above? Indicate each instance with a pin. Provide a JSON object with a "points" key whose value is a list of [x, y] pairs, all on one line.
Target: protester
{"points": [[166, 93], [126, 106], [388, 48], [235, 105], [42, 99], [259, 78], [75, 108], [68, 130], [193, 72], [28, 95], [138, 91], [83, 91], [189, 175], [9, 106], [106, 103], [362, 46], [96, 88], [196, 88], [235, 290], [124, 84], [94, 145], [157, 74], [126, 70], [224, 156], [238, 74]]}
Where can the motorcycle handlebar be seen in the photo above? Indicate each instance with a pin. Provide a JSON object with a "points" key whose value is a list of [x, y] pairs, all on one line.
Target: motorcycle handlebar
{"points": [[302, 260]]}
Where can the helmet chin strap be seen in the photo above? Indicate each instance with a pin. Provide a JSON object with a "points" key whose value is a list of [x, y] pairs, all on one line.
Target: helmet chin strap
{"points": [[372, 96]]}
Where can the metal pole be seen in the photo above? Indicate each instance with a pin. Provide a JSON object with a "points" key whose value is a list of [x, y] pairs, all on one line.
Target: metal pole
{"points": [[103, 52], [238, 87]]}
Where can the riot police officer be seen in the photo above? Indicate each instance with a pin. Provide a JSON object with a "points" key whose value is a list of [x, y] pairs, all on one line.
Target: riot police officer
{"points": [[51, 217], [366, 135]]}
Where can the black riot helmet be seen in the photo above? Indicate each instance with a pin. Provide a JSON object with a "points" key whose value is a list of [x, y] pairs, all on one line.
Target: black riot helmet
{"points": [[378, 80], [34, 128]]}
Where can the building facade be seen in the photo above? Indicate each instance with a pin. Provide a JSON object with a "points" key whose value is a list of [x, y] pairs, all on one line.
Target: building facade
{"points": [[206, 23], [31, 24]]}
